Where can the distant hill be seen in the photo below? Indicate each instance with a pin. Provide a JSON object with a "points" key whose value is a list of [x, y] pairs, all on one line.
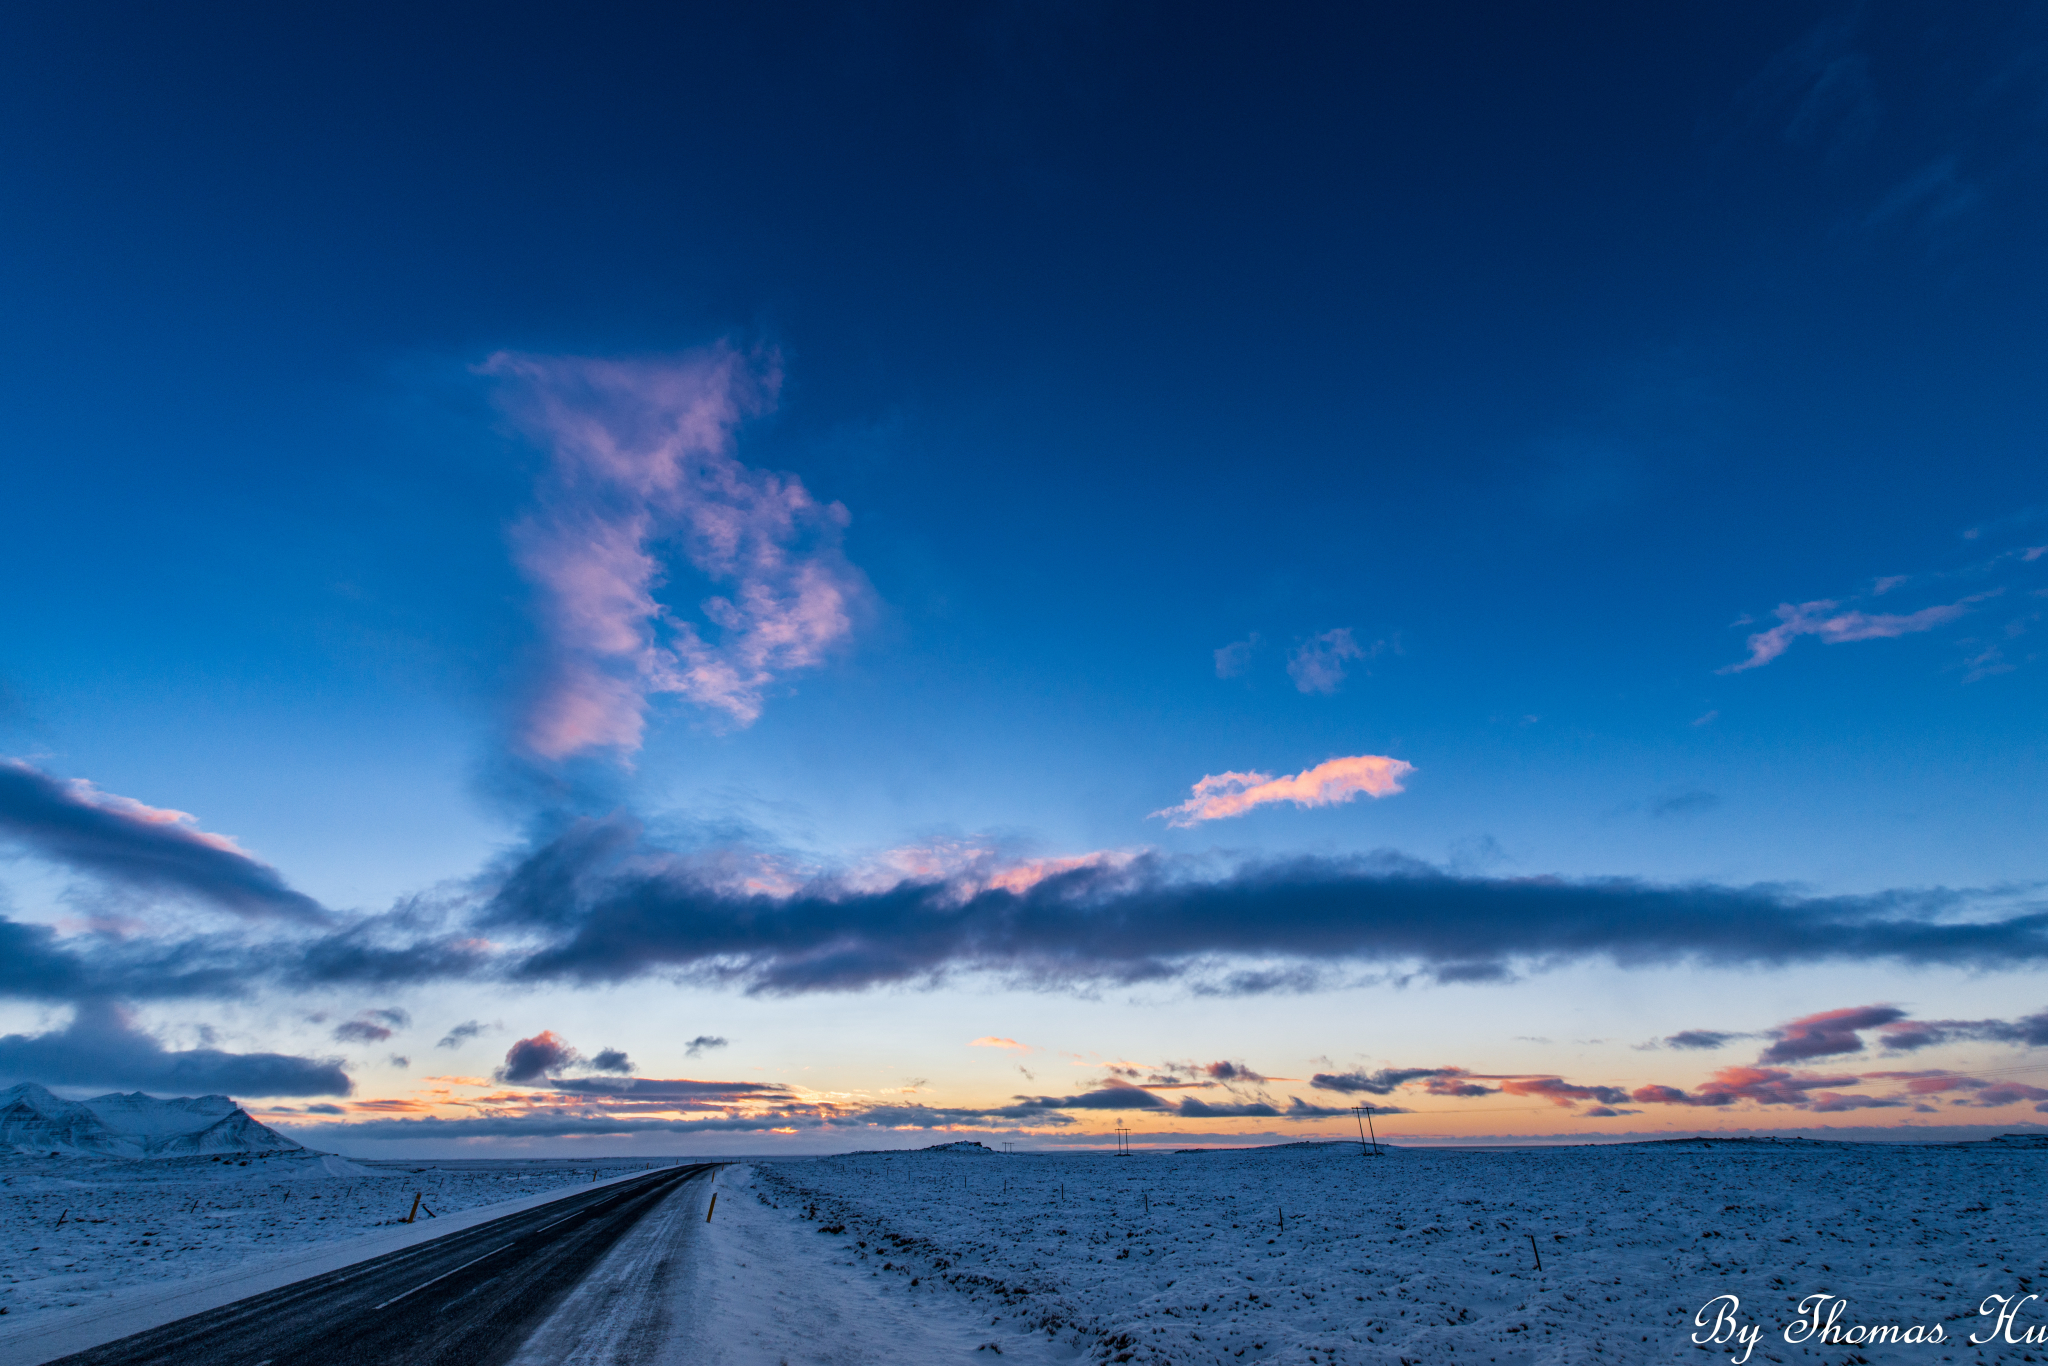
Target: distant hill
{"points": [[135, 1125], [965, 1145]]}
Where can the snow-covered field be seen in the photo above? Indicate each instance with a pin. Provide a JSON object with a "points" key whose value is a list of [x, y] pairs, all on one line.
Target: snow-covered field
{"points": [[75, 1228], [1426, 1256], [1308, 1254]]}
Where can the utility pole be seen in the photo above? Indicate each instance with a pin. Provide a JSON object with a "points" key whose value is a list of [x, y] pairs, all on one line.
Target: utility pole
{"points": [[1364, 1114]]}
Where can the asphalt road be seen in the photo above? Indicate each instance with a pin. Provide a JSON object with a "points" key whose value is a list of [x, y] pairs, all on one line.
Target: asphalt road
{"points": [[470, 1299]]}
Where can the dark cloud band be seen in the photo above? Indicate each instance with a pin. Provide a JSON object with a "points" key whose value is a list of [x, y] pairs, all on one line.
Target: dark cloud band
{"points": [[138, 847], [101, 1047], [598, 905], [602, 915]]}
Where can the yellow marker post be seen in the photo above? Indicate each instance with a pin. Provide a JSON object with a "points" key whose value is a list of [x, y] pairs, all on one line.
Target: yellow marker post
{"points": [[714, 1205]]}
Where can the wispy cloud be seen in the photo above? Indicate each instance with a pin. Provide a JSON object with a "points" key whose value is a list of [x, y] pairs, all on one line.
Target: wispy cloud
{"points": [[1837, 1033], [1817, 92], [994, 1041], [1318, 663], [460, 1034], [1222, 795], [1234, 659], [1841, 621], [1824, 1033], [1560, 1092], [666, 1090], [1763, 1085], [1909, 1036], [143, 848], [1456, 1082], [1696, 1039], [372, 1026], [642, 467], [1835, 627], [1680, 804], [970, 866]]}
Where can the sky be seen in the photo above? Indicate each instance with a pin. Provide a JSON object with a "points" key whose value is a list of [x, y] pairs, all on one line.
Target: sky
{"points": [[823, 576]]}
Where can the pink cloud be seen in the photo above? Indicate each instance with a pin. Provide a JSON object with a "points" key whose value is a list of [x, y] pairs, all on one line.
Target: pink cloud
{"points": [[1834, 1103], [2005, 1093], [995, 1041], [1982, 1094], [1828, 1032], [1339, 780], [1928, 1083], [1560, 1092], [643, 473], [103, 834], [971, 866], [1836, 627], [181, 825], [1022, 877], [1764, 1085]]}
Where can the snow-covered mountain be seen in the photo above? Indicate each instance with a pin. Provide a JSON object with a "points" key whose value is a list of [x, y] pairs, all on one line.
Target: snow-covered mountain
{"points": [[135, 1125]]}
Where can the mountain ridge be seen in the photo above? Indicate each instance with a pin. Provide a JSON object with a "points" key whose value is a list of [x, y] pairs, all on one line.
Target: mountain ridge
{"points": [[35, 1121]]}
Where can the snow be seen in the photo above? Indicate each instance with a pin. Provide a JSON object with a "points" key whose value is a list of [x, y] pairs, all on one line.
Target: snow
{"points": [[1425, 1256], [33, 1121], [127, 1224], [1421, 1256], [753, 1287]]}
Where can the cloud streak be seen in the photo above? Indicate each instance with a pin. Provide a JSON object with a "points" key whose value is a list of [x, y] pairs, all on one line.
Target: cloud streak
{"points": [[142, 848], [1388, 1079], [1835, 627], [1223, 795], [1829, 1033], [1699, 1039], [642, 469]]}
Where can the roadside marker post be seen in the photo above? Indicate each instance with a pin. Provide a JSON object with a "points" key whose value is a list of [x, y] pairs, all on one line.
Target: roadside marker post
{"points": [[714, 1205]]}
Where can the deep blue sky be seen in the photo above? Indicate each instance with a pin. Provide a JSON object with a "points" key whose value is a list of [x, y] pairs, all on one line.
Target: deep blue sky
{"points": [[1539, 343]]}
